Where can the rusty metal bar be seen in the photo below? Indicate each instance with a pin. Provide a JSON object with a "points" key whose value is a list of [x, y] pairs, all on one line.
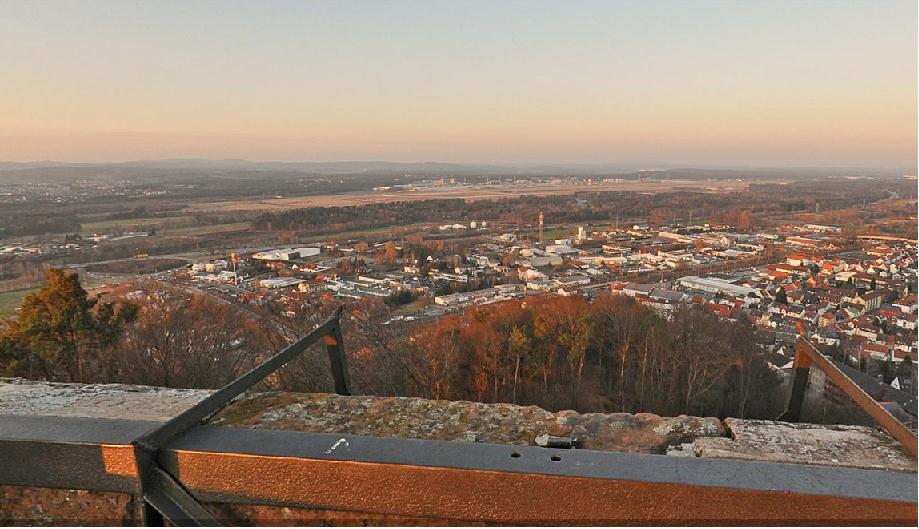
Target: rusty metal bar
{"points": [[807, 355], [505, 498]]}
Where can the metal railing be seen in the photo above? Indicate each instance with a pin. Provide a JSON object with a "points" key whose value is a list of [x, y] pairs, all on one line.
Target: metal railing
{"points": [[163, 495], [286, 472], [806, 356]]}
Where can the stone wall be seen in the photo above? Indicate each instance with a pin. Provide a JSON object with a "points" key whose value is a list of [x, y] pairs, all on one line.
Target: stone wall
{"points": [[706, 437], [41, 506], [417, 418]]}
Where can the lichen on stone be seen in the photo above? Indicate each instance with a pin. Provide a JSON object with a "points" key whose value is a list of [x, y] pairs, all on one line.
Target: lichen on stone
{"points": [[418, 418], [834, 445]]}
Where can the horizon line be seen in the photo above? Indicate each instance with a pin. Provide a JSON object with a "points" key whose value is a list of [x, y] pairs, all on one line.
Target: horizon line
{"points": [[662, 166]]}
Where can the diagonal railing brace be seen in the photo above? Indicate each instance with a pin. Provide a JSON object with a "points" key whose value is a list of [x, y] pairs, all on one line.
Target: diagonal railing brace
{"points": [[164, 497], [806, 356]]}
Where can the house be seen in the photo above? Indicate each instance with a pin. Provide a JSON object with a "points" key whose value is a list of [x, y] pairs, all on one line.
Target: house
{"points": [[877, 351], [906, 304], [723, 311], [906, 321], [799, 260], [572, 281], [827, 319], [796, 271], [871, 300], [826, 336]]}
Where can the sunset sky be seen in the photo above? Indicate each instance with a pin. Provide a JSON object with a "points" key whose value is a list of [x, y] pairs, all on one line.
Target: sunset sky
{"points": [[735, 82]]}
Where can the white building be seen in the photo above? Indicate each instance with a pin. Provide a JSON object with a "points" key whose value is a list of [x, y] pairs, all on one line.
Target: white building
{"points": [[279, 282], [715, 285], [212, 266], [560, 249], [286, 254], [548, 260], [452, 299]]}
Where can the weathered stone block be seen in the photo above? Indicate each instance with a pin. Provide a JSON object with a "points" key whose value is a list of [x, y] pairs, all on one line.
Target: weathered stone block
{"points": [[834, 445]]}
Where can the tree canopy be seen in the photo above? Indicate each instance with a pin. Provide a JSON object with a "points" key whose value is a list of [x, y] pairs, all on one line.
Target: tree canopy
{"points": [[60, 331]]}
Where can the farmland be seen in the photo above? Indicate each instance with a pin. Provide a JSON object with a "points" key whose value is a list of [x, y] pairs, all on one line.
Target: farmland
{"points": [[470, 192]]}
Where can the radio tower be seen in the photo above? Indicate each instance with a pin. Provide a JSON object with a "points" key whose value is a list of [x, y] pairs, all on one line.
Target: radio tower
{"points": [[541, 220]]}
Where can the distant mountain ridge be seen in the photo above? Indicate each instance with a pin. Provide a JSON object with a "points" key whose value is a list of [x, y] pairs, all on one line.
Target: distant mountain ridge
{"points": [[241, 169], [338, 167]]}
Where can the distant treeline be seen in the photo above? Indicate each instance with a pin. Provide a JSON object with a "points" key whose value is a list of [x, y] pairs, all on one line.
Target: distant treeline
{"points": [[659, 208], [19, 224], [47, 215]]}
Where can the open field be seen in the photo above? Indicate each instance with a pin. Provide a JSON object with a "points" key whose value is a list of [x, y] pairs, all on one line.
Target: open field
{"points": [[10, 301], [134, 224], [387, 231], [471, 192], [205, 230], [135, 266]]}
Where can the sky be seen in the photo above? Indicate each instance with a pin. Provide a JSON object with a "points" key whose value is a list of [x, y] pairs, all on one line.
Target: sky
{"points": [[686, 82]]}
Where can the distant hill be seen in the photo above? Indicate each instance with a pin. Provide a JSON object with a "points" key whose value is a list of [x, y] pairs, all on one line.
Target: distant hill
{"points": [[169, 169]]}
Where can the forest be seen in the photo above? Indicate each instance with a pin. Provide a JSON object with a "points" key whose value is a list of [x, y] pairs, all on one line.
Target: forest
{"points": [[608, 355]]}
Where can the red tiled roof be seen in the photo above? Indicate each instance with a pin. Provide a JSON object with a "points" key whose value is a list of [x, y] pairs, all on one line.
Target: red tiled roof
{"points": [[721, 310]]}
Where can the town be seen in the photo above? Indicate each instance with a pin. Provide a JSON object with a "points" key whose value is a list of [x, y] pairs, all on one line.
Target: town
{"points": [[861, 294]]}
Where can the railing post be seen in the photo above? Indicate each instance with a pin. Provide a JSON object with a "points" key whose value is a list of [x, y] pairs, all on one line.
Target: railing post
{"points": [[805, 356], [334, 344], [146, 458], [798, 388]]}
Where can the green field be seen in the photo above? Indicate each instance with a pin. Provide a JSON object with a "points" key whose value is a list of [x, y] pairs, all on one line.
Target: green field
{"points": [[387, 232], [136, 266], [140, 224], [10, 301], [204, 230]]}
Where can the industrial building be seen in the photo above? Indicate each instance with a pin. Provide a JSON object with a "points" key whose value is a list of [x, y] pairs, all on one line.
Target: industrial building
{"points": [[715, 285], [286, 254]]}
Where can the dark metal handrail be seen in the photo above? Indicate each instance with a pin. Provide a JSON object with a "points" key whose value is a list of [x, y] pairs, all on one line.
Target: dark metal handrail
{"points": [[163, 495]]}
